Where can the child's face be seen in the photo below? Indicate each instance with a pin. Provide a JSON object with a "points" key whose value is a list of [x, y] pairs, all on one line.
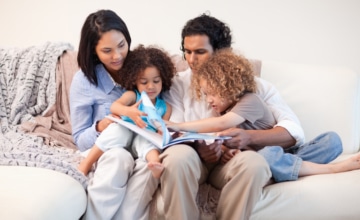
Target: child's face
{"points": [[218, 104], [150, 82]]}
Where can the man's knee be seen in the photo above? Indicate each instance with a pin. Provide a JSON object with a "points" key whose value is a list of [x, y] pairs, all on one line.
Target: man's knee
{"points": [[180, 157], [254, 163]]}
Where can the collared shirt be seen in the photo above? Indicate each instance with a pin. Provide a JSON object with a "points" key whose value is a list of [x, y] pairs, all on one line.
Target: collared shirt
{"points": [[90, 103], [185, 107]]}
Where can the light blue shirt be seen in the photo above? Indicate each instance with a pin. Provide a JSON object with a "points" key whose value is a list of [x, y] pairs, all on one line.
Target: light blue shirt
{"points": [[89, 103]]}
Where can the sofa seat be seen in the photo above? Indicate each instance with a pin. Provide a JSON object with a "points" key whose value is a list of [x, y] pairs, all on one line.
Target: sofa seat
{"points": [[319, 197]]}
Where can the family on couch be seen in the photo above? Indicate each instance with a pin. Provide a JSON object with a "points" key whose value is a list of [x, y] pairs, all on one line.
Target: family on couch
{"points": [[122, 186]]}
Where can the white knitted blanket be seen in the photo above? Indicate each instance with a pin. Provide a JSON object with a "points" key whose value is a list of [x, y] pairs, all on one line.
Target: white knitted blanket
{"points": [[27, 89]]}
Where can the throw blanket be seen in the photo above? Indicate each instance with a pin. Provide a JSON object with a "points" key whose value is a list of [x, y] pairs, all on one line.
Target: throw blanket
{"points": [[27, 89]]}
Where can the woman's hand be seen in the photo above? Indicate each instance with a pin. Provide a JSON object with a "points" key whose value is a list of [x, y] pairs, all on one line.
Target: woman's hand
{"points": [[103, 123]]}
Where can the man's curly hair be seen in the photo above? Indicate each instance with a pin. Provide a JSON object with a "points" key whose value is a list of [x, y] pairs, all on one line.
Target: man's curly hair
{"points": [[218, 32], [142, 57], [227, 74]]}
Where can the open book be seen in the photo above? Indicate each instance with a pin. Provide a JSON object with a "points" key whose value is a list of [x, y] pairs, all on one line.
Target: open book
{"points": [[155, 121]]}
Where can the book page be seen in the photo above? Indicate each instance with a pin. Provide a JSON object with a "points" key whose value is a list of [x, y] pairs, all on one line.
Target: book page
{"points": [[154, 119], [153, 137], [191, 136]]}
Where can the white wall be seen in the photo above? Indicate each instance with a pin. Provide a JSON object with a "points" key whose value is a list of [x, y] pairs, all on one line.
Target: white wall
{"points": [[325, 32]]}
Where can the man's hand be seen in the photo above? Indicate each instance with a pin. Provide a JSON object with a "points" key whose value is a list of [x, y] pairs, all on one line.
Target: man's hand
{"points": [[209, 153], [240, 138]]}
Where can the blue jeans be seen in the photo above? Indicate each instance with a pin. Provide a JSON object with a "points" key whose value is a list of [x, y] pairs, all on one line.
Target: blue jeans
{"points": [[285, 164]]}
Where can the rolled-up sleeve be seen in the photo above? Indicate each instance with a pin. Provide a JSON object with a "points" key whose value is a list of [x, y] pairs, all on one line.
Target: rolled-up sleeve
{"points": [[283, 114]]}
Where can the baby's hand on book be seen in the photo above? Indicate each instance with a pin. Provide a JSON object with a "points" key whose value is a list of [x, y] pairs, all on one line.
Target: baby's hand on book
{"points": [[139, 121], [135, 114]]}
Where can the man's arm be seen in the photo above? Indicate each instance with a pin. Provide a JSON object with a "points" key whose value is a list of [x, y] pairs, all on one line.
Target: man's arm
{"points": [[287, 125], [257, 139]]}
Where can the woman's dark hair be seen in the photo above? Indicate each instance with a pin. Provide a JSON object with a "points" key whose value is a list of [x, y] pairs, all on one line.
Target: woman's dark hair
{"points": [[142, 57], [95, 25], [218, 32]]}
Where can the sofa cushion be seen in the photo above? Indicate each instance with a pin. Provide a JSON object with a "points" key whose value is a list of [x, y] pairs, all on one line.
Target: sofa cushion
{"points": [[39, 194], [327, 197]]}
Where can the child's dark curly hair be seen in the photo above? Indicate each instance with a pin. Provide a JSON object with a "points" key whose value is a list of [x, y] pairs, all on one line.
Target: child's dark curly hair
{"points": [[142, 57], [227, 74]]}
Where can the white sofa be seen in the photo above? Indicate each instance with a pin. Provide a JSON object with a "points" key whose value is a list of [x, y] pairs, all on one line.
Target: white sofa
{"points": [[324, 98]]}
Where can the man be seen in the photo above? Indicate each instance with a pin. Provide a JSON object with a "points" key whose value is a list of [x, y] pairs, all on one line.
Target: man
{"points": [[186, 168]]}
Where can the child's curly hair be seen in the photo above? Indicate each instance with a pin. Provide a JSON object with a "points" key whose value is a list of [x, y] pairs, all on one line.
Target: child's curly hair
{"points": [[227, 74], [142, 57]]}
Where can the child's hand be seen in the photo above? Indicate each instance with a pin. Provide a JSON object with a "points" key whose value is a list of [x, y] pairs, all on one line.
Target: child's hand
{"points": [[228, 154], [172, 126], [135, 114]]}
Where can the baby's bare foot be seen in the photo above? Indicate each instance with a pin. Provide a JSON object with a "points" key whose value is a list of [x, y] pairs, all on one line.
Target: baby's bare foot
{"points": [[156, 169]]}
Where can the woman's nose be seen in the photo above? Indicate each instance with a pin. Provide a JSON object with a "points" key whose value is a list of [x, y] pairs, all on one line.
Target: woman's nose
{"points": [[117, 54]]}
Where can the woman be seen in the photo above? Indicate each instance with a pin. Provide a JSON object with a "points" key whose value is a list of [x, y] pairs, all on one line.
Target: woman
{"points": [[104, 45], [152, 71]]}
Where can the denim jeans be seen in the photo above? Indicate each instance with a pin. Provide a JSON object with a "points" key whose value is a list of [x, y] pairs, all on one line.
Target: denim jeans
{"points": [[285, 164]]}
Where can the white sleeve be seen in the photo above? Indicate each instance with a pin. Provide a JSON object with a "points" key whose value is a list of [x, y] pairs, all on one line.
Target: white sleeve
{"points": [[283, 114]]}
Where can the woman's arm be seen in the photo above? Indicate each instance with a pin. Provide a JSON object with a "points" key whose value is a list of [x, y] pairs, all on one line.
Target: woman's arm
{"points": [[81, 112]]}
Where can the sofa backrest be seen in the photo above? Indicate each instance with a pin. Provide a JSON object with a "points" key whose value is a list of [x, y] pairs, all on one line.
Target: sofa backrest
{"points": [[324, 98]]}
